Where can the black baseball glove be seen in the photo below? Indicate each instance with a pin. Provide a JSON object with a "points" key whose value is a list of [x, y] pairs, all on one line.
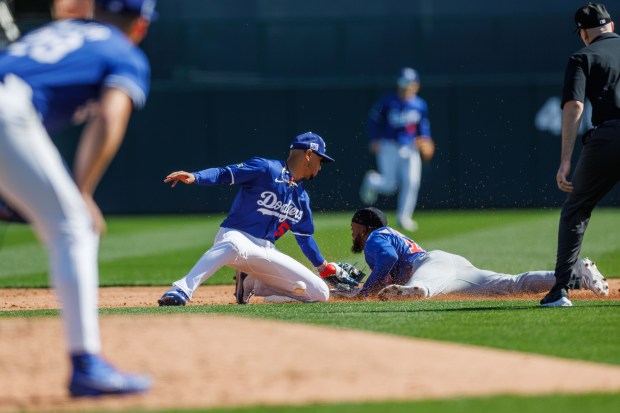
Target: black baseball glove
{"points": [[354, 272]]}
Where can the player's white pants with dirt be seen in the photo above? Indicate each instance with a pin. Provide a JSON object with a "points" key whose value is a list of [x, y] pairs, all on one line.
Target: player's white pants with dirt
{"points": [[439, 272], [280, 274], [400, 168], [34, 180]]}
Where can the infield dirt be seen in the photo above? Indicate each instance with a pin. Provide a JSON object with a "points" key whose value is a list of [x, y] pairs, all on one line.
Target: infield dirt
{"points": [[201, 361]]}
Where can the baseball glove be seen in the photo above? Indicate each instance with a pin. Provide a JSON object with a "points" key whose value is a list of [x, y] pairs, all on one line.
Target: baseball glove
{"points": [[426, 146], [337, 278], [354, 272]]}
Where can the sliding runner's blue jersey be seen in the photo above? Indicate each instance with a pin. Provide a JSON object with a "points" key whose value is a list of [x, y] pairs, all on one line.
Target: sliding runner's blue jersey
{"points": [[390, 256]]}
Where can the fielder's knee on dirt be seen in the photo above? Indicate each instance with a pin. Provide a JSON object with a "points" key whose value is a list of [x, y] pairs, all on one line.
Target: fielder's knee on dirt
{"points": [[317, 292]]}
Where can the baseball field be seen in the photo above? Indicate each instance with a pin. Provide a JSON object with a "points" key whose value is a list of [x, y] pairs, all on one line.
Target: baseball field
{"points": [[454, 354]]}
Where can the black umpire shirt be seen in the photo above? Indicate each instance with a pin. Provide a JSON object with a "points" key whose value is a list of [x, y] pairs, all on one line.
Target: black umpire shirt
{"points": [[594, 73]]}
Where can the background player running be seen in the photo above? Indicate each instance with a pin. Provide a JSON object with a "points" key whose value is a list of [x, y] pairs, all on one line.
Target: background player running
{"points": [[45, 77], [400, 131], [271, 201], [400, 267]]}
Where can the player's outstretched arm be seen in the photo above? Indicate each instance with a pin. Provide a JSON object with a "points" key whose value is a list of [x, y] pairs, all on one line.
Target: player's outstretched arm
{"points": [[182, 176]]}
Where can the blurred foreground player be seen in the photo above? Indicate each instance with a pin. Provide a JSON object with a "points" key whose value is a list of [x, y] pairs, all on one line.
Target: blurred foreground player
{"points": [[45, 77], [72, 9]]}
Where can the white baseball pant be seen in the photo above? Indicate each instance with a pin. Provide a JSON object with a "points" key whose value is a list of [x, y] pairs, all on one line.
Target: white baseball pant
{"points": [[34, 180], [400, 168], [440, 272], [280, 274]]}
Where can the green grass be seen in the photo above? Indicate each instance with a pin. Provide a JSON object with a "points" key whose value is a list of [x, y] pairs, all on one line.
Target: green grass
{"points": [[160, 249], [594, 403], [156, 250]]}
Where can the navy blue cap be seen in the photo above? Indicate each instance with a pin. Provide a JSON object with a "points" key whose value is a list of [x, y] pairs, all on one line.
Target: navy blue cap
{"points": [[311, 141], [591, 15], [145, 8], [407, 75]]}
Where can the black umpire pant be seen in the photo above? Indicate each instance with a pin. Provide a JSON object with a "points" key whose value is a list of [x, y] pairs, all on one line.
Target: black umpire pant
{"points": [[596, 173]]}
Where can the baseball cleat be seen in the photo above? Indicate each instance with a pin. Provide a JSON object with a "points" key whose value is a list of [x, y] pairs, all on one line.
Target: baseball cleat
{"points": [[556, 299], [242, 295], [92, 376], [367, 194], [408, 224], [173, 297], [592, 279], [398, 291]]}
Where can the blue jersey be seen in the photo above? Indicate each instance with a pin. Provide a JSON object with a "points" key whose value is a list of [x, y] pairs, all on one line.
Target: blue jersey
{"points": [[68, 62], [399, 120], [390, 256], [269, 202]]}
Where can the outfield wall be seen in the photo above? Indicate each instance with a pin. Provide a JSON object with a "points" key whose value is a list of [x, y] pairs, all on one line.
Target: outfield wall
{"points": [[234, 79]]}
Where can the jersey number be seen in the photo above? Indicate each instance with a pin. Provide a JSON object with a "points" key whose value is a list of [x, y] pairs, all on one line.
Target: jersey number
{"points": [[282, 228], [52, 44], [413, 247]]}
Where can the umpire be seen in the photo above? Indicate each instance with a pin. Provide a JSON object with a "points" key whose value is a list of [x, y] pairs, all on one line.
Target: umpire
{"points": [[593, 73]]}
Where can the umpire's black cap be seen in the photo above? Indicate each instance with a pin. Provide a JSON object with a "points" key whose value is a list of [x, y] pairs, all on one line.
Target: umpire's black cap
{"points": [[591, 15], [370, 217]]}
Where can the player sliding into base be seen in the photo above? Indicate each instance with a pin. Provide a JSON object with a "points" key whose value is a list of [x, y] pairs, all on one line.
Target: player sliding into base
{"points": [[271, 201], [401, 268]]}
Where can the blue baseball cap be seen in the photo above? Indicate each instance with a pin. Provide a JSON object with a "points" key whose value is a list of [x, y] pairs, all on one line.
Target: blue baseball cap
{"points": [[313, 142], [407, 75], [145, 8]]}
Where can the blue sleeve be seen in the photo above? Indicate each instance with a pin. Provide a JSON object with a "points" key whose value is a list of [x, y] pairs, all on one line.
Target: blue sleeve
{"points": [[384, 259], [130, 72], [213, 176], [310, 249], [238, 174], [425, 123]]}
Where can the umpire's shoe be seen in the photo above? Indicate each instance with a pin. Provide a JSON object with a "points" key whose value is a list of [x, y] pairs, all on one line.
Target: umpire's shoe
{"points": [[173, 297], [242, 294], [556, 298], [93, 376]]}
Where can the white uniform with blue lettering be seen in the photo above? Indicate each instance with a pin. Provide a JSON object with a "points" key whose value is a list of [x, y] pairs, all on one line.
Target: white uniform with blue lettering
{"points": [[44, 78], [268, 204]]}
